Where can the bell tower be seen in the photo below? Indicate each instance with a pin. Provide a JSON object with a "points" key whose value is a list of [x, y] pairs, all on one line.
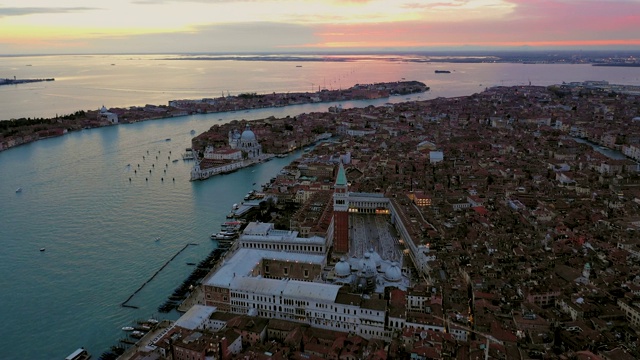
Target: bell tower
{"points": [[341, 212]]}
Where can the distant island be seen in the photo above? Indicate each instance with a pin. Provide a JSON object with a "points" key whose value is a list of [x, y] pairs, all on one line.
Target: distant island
{"points": [[522, 56], [16, 132], [15, 81]]}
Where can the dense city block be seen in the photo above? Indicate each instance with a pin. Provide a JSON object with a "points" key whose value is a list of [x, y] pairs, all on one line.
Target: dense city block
{"points": [[499, 225]]}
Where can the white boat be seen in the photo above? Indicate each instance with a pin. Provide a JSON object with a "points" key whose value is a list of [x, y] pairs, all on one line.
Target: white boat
{"points": [[80, 354], [19, 190], [231, 226], [127, 328], [152, 321], [42, 249], [224, 236]]}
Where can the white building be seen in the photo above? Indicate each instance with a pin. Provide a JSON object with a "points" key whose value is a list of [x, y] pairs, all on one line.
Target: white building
{"points": [[222, 154], [105, 115], [239, 287], [263, 236], [246, 142]]}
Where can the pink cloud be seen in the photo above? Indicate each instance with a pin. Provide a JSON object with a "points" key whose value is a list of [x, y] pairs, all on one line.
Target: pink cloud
{"points": [[532, 22]]}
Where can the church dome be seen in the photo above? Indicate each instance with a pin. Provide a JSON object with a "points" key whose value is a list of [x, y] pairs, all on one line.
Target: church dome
{"points": [[393, 272], [248, 135], [375, 257], [368, 265], [342, 268]]}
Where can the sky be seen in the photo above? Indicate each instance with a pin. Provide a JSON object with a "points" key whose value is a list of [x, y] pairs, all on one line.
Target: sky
{"points": [[248, 26]]}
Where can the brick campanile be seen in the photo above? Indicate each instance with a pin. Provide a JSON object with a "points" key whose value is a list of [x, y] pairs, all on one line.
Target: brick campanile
{"points": [[341, 212]]}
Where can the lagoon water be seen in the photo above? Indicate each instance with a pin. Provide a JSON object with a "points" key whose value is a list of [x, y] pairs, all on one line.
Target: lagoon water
{"points": [[99, 228]]}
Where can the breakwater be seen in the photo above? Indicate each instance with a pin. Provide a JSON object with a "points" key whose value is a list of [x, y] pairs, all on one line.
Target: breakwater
{"points": [[126, 302]]}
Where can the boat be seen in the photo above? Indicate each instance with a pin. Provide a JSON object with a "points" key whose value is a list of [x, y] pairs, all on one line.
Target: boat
{"points": [[127, 328], [167, 139], [152, 321], [230, 227], [443, 72], [42, 249], [80, 354], [19, 190], [158, 238], [137, 334], [188, 155], [174, 160], [223, 236]]}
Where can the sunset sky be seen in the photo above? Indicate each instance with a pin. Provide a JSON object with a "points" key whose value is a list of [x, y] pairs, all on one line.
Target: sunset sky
{"points": [[170, 26]]}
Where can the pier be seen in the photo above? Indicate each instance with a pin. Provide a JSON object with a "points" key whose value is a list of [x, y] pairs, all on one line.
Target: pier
{"points": [[126, 302]]}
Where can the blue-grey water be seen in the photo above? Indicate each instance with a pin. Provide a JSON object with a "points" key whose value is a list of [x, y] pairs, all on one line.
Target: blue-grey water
{"points": [[99, 229]]}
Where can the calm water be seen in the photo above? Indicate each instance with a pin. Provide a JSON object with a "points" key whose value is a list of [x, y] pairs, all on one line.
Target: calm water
{"points": [[88, 82], [99, 228]]}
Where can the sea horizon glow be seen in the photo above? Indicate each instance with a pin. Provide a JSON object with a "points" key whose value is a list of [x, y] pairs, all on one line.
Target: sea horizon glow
{"points": [[146, 26]]}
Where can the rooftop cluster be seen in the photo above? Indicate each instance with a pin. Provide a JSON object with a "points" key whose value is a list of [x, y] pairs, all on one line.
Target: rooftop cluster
{"points": [[526, 199]]}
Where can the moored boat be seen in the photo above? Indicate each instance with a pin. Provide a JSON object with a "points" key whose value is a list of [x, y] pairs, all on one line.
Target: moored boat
{"points": [[80, 354], [137, 334], [223, 236]]}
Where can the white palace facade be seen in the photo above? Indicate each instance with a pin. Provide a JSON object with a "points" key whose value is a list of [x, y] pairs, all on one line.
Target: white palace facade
{"points": [[239, 287]]}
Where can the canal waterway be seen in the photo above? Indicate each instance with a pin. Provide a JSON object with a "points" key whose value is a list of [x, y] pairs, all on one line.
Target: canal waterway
{"points": [[610, 153]]}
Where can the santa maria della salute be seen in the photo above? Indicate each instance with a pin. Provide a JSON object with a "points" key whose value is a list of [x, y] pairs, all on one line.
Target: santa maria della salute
{"points": [[245, 142], [243, 150]]}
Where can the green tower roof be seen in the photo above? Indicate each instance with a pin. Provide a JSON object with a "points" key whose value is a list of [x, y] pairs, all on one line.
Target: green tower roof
{"points": [[341, 179]]}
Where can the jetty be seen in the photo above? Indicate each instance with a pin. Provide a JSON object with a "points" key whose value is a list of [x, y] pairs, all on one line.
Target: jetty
{"points": [[126, 302]]}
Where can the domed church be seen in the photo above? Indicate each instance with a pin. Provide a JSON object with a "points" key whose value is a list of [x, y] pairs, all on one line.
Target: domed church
{"points": [[369, 274], [246, 142]]}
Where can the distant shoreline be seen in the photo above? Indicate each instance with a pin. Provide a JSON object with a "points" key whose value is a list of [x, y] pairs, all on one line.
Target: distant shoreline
{"points": [[22, 131]]}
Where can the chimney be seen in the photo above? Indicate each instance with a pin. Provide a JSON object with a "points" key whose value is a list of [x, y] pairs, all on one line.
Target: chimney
{"points": [[224, 347]]}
